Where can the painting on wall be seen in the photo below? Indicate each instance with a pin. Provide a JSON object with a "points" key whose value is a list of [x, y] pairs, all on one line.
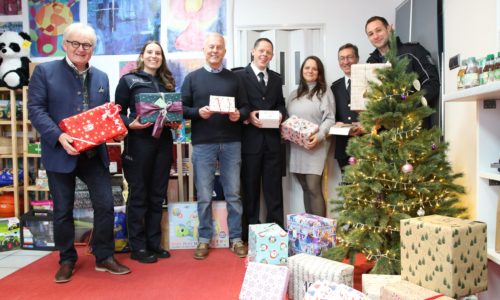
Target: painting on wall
{"points": [[181, 67], [126, 67], [189, 21], [10, 7], [47, 21], [123, 26], [11, 26]]}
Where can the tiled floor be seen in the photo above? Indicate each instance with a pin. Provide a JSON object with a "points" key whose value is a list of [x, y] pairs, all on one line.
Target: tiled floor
{"points": [[11, 261]]}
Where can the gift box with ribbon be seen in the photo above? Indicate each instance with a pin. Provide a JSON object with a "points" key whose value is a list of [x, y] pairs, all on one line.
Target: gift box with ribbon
{"points": [[94, 126], [159, 108], [297, 130]]}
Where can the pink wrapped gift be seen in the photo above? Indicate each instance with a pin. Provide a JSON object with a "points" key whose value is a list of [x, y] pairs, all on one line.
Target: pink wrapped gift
{"points": [[264, 282], [297, 130], [222, 104], [324, 289]]}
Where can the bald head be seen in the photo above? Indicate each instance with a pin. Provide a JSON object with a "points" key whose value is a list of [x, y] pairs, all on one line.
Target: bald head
{"points": [[214, 49]]}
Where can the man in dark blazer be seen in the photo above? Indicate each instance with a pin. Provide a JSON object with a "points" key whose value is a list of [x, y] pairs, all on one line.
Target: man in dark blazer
{"points": [[261, 147], [57, 90], [347, 56]]}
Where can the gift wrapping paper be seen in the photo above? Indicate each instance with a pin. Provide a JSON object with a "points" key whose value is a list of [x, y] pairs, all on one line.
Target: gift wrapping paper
{"points": [[297, 130], [310, 233], [94, 126], [268, 244], [326, 290], [264, 282], [373, 282], [444, 254], [151, 105], [305, 269], [222, 104], [404, 290], [183, 225], [269, 118]]}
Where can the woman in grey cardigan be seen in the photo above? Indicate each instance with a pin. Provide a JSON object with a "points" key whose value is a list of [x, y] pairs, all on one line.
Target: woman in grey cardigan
{"points": [[312, 101]]}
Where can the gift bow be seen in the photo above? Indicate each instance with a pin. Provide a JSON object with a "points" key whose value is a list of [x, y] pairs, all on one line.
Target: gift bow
{"points": [[161, 106], [111, 110]]}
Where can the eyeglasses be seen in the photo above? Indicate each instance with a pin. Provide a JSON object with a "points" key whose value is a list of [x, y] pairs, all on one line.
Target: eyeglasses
{"points": [[346, 58], [76, 45]]}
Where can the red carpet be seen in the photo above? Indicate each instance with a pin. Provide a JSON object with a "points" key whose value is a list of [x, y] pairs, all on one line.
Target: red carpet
{"points": [[179, 277]]}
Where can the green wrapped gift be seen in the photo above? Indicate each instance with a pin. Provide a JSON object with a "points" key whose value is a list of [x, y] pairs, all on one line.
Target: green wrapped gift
{"points": [[153, 107]]}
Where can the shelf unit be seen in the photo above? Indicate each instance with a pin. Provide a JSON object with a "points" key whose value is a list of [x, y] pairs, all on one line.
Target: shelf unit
{"points": [[185, 190], [12, 125], [488, 151]]}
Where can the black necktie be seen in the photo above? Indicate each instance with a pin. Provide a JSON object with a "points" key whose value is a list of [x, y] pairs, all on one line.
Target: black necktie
{"points": [[349, 87], [261, 80]]}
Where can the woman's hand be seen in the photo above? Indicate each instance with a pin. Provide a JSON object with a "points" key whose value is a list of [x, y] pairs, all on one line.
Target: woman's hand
{"points": [[137, 125], [313, 142]]}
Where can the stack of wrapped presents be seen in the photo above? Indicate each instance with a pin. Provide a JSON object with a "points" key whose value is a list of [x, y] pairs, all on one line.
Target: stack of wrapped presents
{"points": [[441, 258]]}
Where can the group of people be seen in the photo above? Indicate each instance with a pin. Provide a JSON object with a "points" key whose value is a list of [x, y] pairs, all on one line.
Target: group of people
{"points": [[248, 156]]}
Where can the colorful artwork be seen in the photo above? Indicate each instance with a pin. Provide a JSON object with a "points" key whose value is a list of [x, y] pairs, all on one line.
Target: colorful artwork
{"points": [[181, 67], [190, 20], [47, 20], [11, 26], [126, 67], [10, 7], [123, 26]]}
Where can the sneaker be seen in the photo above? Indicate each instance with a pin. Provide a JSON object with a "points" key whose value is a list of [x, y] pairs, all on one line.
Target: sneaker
{"points": [[239, 249], [201, 251]]}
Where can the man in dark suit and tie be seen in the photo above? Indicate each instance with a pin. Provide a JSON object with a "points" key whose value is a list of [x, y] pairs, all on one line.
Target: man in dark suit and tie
{"points": [[347, 56], [261, 154], [57, 90]]}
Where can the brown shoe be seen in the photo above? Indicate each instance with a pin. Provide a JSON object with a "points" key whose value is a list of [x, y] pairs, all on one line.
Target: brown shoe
{"points": [[64, 273], [239, 249], [112, 266], [201, 251]]}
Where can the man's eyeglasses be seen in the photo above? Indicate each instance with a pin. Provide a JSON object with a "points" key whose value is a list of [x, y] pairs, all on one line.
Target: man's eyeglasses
{"points": [[76, 45], [346, 58]]}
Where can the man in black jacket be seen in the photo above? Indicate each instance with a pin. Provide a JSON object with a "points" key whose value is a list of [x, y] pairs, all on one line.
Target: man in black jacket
{"points": [[378, 31]]}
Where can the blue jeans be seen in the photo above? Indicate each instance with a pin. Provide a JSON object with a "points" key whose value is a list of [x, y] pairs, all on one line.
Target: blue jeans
{"points": [[204, 161]]}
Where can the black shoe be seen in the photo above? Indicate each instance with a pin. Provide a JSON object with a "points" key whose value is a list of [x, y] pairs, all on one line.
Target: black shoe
{"points": [[65, 272], [143, 256], [160, 253]]}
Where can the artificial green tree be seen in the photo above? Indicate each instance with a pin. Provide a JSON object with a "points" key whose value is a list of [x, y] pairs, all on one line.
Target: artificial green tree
{"points": [[397, 170]]}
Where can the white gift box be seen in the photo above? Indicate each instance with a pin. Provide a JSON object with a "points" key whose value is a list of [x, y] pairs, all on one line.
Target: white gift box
{"points": [[373, 282], [264, 282], [324, 289], [269, 118], [305, 269], [222, 104]]}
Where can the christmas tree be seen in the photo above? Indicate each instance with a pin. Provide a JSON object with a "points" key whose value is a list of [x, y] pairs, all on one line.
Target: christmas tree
{"points": [[397, 170]]}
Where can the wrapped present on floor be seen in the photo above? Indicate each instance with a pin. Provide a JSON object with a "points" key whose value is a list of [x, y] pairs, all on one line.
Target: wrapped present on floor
{"points": [[324, 289], [268, 243], [305, 269], [183, 225], [310, 233], [94, 126], [269, 118], [373, 282], [297, 130], [159, 108], [222, 104], [264, 282], [404, 290], [9, 234], [444, 254]]}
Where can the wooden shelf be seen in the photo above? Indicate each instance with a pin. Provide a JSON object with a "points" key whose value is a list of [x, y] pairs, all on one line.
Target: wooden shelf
{"points": [[31, 155], [478, 93], [34, 188]]}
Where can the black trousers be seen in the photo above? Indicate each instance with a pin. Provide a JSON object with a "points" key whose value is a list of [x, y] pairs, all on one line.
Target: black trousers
{"points": [[262, 169], [146, 166], [62, 187]]}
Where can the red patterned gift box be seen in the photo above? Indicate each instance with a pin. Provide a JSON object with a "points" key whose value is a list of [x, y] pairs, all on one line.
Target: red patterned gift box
{"points": [[298, 130], [94, 126]]}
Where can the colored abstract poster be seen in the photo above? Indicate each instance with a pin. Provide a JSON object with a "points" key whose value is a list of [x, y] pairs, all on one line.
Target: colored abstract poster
{"points": [[11, 26], [10, 7], [189, 21], [123, 26], [181, 67], [126, 67], [47, 20]]}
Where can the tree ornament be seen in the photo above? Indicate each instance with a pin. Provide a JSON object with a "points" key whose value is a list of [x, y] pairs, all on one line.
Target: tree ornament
{"points": [[433, 146], [407, 168], [352, 160], [404, 96], [421, 212], [424, 101], [416, 85]]}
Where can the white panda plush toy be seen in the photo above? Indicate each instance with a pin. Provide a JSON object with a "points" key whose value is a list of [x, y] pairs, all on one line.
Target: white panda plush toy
{"points": [[14, 59]]}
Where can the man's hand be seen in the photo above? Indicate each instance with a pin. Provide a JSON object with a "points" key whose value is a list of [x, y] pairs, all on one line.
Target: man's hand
{"points": [[137, 125], [65, 140], [205, 112], [234, 116], [254, 120]]}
